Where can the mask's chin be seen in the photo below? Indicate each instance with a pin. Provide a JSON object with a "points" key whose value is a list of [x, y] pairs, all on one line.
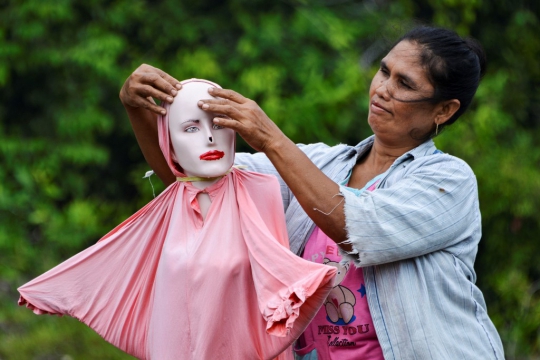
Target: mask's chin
{"points": [[208, 171]]}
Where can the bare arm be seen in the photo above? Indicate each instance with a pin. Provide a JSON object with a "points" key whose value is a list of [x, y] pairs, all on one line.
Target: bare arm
{"points": [[311, 186], [137, 94]]}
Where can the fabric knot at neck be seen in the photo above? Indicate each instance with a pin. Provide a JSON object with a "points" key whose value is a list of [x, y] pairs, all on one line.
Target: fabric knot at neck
{"points": [[198, 178]]}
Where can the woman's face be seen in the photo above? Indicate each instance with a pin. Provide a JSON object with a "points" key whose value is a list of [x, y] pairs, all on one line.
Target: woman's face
{"points": [[401, 77], [200, 147]]}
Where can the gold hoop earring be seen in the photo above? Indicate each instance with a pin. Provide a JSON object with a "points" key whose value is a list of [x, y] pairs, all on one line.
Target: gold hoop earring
{"points": [[437, 130]]}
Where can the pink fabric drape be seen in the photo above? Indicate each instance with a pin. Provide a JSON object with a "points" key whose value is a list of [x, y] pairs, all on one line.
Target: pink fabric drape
{"points": [[165, 284]]}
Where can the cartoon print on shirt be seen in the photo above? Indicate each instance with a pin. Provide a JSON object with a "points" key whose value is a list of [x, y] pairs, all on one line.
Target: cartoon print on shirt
{"points": [[340, 302]]}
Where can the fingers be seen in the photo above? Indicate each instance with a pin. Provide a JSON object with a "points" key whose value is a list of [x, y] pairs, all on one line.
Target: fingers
{"points": [[159, 83], [175, 83], [148, 90], [228, 94], [147, 81], [228, 123], [200, 103], [151, 105], [221, 107], [155, 108], [143, 97], [152, 75]]}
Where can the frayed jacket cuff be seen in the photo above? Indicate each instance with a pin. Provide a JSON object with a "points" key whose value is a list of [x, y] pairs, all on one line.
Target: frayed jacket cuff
{"points": [[353, 255]]}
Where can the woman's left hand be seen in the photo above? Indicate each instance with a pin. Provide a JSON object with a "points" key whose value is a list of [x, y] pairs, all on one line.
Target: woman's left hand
{"points": [[245, 117]]}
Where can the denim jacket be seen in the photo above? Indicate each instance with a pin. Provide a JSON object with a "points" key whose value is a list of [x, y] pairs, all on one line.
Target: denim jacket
{"points": [[416, 238]]}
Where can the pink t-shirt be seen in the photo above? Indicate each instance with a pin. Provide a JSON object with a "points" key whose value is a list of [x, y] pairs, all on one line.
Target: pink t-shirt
{"points": [[343, 328]]}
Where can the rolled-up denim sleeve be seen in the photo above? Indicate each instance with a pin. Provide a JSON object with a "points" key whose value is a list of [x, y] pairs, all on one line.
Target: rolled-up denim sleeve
{"points": [[433, 207]]}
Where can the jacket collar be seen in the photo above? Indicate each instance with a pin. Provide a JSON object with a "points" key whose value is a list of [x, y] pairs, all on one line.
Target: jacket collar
{"points": [[424, 149]]}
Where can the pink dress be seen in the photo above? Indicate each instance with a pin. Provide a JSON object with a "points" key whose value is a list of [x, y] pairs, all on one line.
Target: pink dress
{"points": [[166, 285]]}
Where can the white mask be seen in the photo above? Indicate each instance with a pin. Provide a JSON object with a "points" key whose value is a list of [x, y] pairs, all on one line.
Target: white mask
{"points": [[201, 148]]}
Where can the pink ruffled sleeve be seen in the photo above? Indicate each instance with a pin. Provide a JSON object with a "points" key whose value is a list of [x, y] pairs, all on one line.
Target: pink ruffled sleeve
{"points": [[109, 286], [290, 290]]}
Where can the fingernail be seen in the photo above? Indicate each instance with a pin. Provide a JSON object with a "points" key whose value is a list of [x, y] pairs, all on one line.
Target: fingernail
{"points": [[174, 92], [200, 103], [205, 106], [163, 112], [169, 98], [211, 90], [216, 120], [178, 86]]}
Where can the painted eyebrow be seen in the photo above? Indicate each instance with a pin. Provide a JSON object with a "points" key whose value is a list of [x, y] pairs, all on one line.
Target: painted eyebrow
{"points": [[191, 120], [407, 78]]}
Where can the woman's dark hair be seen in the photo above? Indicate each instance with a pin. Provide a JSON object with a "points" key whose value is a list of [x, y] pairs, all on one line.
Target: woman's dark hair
{"points": [[455, 65]]}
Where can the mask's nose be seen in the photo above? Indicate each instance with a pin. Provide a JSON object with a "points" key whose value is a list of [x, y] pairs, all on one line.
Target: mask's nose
{"points": [[209, 134]]}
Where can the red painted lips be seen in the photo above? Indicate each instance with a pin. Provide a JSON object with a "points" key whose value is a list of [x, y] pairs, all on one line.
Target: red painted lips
{"points": [[212, 155]]}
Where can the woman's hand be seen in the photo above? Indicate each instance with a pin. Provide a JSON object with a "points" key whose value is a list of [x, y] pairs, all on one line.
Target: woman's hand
{"points": [[137, 96], [312, 188], [245, 117], [147, 83]]}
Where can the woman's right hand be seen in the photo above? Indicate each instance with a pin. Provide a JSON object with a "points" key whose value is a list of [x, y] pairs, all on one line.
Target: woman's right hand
{"points": [[147, 83]]}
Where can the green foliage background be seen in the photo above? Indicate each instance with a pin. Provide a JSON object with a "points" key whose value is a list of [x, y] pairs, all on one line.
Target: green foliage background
{"points": [[71, 169]]}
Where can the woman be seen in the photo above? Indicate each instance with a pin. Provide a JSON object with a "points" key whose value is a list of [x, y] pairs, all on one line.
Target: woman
{"points": [[402, 212]]}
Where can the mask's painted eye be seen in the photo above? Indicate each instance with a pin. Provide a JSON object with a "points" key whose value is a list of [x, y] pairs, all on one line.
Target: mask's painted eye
{"points": [[192, 129], [217, 127]]}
